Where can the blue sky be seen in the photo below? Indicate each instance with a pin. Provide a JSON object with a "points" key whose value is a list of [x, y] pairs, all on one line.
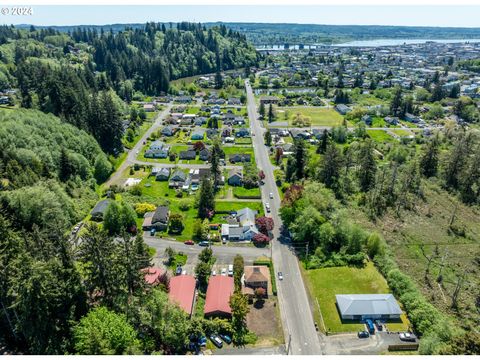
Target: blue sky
{"points": [[457, 16]]}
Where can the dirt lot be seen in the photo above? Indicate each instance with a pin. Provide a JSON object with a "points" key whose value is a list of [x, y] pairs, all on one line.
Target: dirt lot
{"points": [[264, 321]]}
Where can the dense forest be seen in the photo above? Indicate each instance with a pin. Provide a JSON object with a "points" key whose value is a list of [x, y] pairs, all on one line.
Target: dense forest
{"points": [[84, 76]]}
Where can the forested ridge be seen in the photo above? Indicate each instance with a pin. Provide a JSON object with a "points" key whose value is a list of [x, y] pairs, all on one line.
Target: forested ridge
{"points": [[84, 75]]}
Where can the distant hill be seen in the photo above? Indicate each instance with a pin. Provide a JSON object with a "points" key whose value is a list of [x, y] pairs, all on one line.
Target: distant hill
{"points": [[267, 33]]}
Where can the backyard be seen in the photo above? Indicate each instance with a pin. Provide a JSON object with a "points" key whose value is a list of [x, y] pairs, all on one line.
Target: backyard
{"points": [[324, 284], [318, 116]]}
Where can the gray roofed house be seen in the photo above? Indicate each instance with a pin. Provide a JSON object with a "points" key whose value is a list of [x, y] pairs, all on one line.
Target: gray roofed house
{"points": [[246, 216], [234, 158], [99, 210], [198, 134], [162, 174], [368, 306], [235, 177], [342, 109], [204, 154], [187, 155], [177, 179], [157, 219]]}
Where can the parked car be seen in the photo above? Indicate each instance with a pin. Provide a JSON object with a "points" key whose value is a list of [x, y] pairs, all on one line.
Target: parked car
{"points": [[379, 325], [214, 273], [216, 340], [230, 270], [363, 334], [407, 336], [202, 341], [189, 242], [203, 243], [179, 270], [226, 338], [152, 232], [280, 275], [224, 272], [267, 207], [270, 195]]}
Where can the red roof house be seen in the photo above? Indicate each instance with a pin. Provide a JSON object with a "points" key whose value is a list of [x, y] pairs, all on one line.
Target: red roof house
{"points": [[219, 290], [152, 275], [182, 291]]}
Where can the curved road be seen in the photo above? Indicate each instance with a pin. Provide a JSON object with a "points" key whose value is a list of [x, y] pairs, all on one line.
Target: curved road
{"points": [[297, 318]]}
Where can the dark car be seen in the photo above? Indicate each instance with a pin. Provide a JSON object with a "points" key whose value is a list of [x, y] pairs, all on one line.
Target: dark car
{"points": [[363, 334], [203, 243], [216, 340], [226, 338], [152, 232], [379, 325]]}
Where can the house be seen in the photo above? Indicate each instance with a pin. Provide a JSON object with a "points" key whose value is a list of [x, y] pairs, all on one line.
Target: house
{"points": [[255, 277], [300, 134], [163, 174], [202, 120], [411, 118], [217, 300], [204, 154], [238, 233], [368, 306], [99, 210], [234, 101], [157, 219], [168, 130], [152, 275], [177, 179], [198, 134], [242, 133], [196, 175], [183, 99], [182, 292], [241, 226], [367, 119], [149, 107], [235, 158], [187, 155], [391, 120], [157, 150], [342, 109], [235, 177], [269, 100]]}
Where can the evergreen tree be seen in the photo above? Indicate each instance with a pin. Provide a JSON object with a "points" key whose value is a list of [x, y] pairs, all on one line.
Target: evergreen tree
{"points": [[367, 166], [322, 146], [300, 156], [261, 110], [216, 153], [268, 138], [329, 172], [429, 159], [206, 204], [271, 115]]}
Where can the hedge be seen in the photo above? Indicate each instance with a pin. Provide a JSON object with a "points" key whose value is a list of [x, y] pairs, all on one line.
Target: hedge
{"points": [[272, 272]]}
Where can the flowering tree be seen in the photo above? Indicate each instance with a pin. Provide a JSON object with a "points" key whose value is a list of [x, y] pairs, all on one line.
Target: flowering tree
{"points": [[264, 224], [261, 239]]}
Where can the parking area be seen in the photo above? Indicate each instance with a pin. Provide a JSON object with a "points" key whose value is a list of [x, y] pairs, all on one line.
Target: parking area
{"points": [[351, 344]]}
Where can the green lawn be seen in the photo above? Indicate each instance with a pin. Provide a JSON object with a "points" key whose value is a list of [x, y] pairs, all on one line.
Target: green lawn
{"points": [[401, 132], [380, 135], [241, 192], [138, 134], [324, 284], [180, 259], [117, 161], [319, 116]]}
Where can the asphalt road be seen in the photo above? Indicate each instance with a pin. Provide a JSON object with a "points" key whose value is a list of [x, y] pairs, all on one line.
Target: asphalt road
{"points": [[223, 253], [132, 153], [295, 311]]}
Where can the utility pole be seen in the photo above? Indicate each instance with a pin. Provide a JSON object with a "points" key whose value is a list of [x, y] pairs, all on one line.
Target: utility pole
{"points": [[306, 257], [289, 343]]}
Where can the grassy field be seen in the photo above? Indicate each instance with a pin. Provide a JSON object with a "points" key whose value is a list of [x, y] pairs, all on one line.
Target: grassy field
{"points": [[241, 192], [319, 116], [324, 284], [401, 132], [380, 136], [138, 134]]}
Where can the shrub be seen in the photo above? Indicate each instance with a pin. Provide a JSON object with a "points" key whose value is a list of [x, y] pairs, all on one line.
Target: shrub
{"points": [[142, 208]]}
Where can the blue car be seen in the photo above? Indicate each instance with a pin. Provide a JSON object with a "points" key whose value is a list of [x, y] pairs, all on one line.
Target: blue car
{"points": [[152, 232], [226, 338], [202, 341]]}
